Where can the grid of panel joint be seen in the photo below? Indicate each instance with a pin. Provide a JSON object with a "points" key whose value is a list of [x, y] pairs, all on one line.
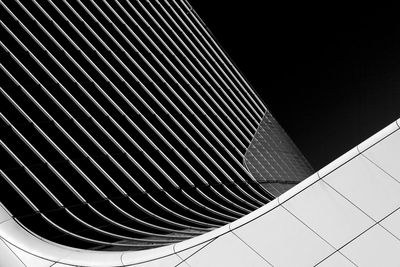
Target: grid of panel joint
{"points": [[123, 123], [330, 220], [274, 160]]}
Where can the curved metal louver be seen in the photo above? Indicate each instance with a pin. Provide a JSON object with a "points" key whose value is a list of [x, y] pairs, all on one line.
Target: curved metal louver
{"points": [[123, 123]]}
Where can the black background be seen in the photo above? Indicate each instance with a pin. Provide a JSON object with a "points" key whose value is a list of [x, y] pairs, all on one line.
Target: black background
{"points": [[329, 72]]}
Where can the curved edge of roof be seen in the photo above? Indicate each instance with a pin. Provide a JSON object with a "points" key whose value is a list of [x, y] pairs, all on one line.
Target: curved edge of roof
{"points": [[19, 246]]}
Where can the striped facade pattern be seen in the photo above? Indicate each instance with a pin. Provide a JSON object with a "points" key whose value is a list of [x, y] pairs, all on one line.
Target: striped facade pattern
{"points": [[124, 125]]}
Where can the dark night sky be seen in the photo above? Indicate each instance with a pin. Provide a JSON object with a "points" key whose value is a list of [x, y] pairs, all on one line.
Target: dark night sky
{"points": [[329, 74]]}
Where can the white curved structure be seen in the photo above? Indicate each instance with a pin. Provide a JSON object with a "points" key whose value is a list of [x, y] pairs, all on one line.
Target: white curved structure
{"points": [[129, 138], [346, 214]]}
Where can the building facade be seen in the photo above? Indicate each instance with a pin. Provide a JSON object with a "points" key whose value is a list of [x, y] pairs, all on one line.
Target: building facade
{"points": [[129, 137]]}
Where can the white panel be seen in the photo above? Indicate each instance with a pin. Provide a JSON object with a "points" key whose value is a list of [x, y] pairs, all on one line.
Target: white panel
{"points": [[376, 247], [392, 223], [330, 215], [184, 254], [226, 250], [93, 258], [7, 257], [283, 240], [4, 215], [18, 236], [200, 239], [336, 260], [386, 154], [29, 259], [169, 261], [255, 214], [138, 257], [298, 188], [182, 264], [366, 186]]}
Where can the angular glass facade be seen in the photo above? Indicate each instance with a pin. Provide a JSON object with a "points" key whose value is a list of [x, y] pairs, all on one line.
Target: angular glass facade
{"points": [[274, 160]]}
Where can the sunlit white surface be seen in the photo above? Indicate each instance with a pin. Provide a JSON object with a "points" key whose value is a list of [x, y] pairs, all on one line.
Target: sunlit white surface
{"points": [[374, 248], [4, 215], [392, 223], [299, 188], [8, 258], [227, 250], [386, 154], [279, 234], [336, 260], [29, 259], [337, 220], [367, 186], [187, 253]]}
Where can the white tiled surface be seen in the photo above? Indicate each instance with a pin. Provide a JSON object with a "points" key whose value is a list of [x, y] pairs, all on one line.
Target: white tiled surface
{"points": [[392, 223], [366, 186], [171, 260], [200, 239], [182, 264], [298, 188], [255, 214], [227, 250], [329, 214], [279, 234], [336, 260], [376, 247], [161, 253], [16, 235], [386, 154], [93, 258], [8, 258], [4, 216], [190, 251], [29, 259]]}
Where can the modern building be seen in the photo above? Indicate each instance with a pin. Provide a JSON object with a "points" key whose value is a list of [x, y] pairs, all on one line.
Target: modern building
{"points": [[128, 137]]}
